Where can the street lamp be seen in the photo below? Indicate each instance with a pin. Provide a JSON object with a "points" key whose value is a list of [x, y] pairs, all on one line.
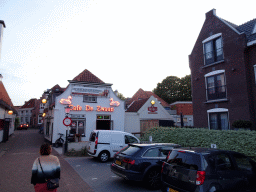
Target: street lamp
{"points": [[67, 123]]}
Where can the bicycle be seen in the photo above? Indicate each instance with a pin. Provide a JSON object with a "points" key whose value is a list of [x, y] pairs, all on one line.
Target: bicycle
{"points": [[59, 142]]}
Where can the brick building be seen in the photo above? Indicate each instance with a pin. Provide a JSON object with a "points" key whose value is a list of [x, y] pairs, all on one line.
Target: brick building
{"points": [[222, 64], [184, 108]]}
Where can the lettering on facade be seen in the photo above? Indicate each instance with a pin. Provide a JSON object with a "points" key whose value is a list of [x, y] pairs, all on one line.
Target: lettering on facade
{"points": [[90, 108]]}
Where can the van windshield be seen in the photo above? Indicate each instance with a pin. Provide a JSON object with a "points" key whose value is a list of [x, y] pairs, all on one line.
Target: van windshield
{"points": [[92, 136], [130, 150]]}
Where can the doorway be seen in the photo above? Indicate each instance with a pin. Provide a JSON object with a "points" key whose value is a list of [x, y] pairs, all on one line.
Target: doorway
{"points": [[103, 122]]}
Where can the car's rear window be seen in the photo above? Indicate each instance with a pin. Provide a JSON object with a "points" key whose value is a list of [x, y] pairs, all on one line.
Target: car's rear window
{"points": [[130, 150], [185, 159], [92, 136]]}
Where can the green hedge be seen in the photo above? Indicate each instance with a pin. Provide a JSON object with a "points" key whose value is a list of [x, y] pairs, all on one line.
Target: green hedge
{"points": [[241, 141]]}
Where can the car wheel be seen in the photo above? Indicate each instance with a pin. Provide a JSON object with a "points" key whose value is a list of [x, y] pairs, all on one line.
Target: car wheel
{"points": [[104, 156], [153, 179]]}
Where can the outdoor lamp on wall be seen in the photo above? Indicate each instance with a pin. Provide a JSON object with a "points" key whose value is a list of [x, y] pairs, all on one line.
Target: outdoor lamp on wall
{"points": [[153, 102], [10, 112], [43, 114], [67, 110], [44, 101]]}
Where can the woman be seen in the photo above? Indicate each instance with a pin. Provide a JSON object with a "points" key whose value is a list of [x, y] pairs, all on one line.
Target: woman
{"points": [[51, 169]]}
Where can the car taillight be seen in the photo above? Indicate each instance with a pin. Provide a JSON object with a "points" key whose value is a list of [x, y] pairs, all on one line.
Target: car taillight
{"points": [[200, 177], [21, 125], [163, 166], [128, 161], [182, 151], [96, 142]]}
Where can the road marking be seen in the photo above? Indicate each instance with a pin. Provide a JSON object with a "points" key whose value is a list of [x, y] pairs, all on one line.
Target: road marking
{"points": [[94, 164], [94, 178], [78, 165], [114, 176]]}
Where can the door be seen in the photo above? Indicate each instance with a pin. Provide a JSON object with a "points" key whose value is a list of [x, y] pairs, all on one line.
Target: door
{"points": [[227, 174], [6, 130]]}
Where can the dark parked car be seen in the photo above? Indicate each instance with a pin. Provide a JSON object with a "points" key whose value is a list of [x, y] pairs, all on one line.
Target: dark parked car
{"points": [[23, 126], [207, 170], [142, 162]]}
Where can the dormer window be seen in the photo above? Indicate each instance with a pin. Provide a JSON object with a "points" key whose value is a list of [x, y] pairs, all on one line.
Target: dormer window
{"points": [[254, 29], [213, 51]]}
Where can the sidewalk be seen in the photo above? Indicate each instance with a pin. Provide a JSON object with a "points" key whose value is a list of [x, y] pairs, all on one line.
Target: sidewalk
{"points": [[16, 159]]}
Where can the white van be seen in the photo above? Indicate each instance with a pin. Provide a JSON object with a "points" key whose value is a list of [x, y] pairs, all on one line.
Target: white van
{"points": [[105, 143]]}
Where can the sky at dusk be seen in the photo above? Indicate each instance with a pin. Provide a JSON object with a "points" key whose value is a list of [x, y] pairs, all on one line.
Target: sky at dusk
{"points": [[131, 44]]}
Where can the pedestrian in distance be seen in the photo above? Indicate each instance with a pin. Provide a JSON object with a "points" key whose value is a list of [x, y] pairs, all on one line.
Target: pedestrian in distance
{"points": [[45, 168]]}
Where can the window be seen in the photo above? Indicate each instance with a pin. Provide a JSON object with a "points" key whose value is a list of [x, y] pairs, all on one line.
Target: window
{"points": [[213, 51], [254, 29], [130, 139], [90, 99], [218, 119], [77, 127], [216, 87], [152, 153], [255, 72], [223, 162], [243, 162]]}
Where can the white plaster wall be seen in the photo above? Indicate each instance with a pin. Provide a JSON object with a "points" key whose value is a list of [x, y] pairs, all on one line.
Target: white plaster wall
{"points": [[118, 116], [161, 114], [2, 113], [132, 122]]}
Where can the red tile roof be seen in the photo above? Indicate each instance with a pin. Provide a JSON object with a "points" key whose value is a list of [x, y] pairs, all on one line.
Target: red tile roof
{"points": [[4, 95], [141, 94], [87, 76], [136, 105], [30, 104]]}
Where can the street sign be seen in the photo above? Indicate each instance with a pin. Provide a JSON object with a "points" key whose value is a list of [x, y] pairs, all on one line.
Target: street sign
{"points": [[67, 121]]}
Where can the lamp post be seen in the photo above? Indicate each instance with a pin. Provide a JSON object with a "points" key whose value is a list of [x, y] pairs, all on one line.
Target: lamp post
{"points": [[67, 121]]}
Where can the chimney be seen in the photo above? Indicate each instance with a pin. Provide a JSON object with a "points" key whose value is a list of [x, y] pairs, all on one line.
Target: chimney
{"points": [[2, 26], [1, 77], [210, 13]]}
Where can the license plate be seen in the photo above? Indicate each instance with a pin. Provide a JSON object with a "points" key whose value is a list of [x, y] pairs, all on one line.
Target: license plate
{"points": [[171, 190], [118, 162]]}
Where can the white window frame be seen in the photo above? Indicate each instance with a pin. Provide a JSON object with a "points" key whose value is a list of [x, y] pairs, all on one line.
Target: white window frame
{"points": [[254, 66], [217, 110], [211, 38], [213, 73]]}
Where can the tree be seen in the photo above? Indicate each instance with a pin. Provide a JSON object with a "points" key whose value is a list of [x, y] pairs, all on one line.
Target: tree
{"points": [[173, 89], [185, 88], [121, 96]]}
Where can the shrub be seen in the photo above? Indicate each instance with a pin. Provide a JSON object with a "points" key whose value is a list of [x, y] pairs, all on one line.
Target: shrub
{"points": [[242, 124], [241, 141]]}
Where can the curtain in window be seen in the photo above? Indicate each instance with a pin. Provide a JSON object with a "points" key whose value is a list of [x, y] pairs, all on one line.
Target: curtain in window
{"points": [[224, 121], [213, 121], [220, 83], [208, 50], [218, 47], [210, 85]]}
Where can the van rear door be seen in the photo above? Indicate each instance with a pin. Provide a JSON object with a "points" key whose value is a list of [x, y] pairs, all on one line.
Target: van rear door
{"points": [[92, 139], [117, 142]]}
